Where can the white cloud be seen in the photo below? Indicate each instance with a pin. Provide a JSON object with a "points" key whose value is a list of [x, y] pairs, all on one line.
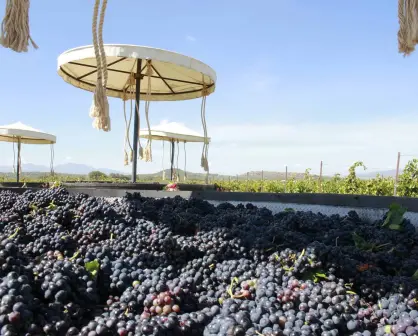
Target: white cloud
{"points": [[270, 146], [191, 38], [238, 148]]}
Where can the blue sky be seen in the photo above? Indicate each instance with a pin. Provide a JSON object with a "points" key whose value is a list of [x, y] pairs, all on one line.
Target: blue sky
{"points": [[298, 82]]}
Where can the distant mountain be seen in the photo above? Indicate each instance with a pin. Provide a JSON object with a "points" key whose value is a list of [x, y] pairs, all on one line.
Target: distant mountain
{"points": [[73, 168], [384, 173], [82, 169], [254, 175], [27, 167], [66, 168]]}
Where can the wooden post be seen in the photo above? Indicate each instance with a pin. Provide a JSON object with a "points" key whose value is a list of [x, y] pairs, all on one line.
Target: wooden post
{"points": [[285, 181], [248, 174], [320, 177], [397, 174]]}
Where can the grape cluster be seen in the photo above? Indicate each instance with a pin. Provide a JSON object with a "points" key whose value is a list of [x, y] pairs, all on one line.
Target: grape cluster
{"points": [[80, 265]]}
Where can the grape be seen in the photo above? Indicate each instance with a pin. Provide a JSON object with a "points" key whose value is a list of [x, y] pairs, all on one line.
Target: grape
{"points": [[80, 265]]}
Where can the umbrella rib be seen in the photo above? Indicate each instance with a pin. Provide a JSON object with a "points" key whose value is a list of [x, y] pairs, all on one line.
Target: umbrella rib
{"points": [[128, 73], [92, 72], [163, 79], [121, 91]]}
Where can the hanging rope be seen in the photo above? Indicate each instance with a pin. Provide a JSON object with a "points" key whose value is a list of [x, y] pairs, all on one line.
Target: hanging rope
{"points": [[15, 32], [127, 130], [148, 151], [177, 164], [138, 105], [408, 26], [128, 93], [204, 159], [185, 162], [162, 163], [52, 160], [140, 148], [100, 106]]}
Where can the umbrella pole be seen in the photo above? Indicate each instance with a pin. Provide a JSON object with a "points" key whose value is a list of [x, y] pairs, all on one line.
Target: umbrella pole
{"points": [[136, 120], [172, 159], [18, 161]]}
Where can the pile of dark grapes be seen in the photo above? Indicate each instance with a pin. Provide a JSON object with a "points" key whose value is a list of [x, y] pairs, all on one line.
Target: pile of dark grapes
{"points": [[80, 265]]}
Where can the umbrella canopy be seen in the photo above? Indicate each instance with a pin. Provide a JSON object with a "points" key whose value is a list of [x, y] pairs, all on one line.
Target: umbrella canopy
{"points": [[173, 132], [175, 76], [22, 133], [136, 73]]}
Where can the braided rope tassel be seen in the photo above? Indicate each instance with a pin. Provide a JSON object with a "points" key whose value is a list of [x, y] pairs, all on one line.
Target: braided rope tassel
{"points": [[15, 32], [148, 150], [408, 26], [100, 106]]}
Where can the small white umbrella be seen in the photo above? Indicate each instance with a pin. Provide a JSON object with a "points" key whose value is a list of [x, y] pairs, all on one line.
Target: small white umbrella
{"points": [[131, 72], [22, 134], [174, 133]]}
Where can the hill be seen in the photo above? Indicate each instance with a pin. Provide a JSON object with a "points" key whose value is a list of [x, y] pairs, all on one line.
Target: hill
{"points": [[66, 168], [80, 171], [384, 173]]}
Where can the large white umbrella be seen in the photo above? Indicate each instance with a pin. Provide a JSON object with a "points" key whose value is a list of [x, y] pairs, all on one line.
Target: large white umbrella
{"points": [[173, 132], [138, 73], [22, 134]]}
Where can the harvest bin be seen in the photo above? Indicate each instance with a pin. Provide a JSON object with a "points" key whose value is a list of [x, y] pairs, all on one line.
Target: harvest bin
{"points": [[368, 207]]}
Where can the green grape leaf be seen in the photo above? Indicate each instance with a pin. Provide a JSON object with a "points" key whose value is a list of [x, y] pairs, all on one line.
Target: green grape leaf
{"points": [[92, 267], [395, 217], [360, 242]]}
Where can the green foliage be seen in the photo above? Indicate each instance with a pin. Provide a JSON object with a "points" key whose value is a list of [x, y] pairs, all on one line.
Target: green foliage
{"points": [[92, 267], [350, 184], [394, 218], [408, 180], [364, 245], [97, 175], [120, 177]]}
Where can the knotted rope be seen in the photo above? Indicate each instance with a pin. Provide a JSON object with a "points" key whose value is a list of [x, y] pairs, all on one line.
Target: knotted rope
{"points": [[100, 107], [15, 32], [148, 150], [408, 26], [127, 130], [131, 84], [129, 93], [204, 159]]}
